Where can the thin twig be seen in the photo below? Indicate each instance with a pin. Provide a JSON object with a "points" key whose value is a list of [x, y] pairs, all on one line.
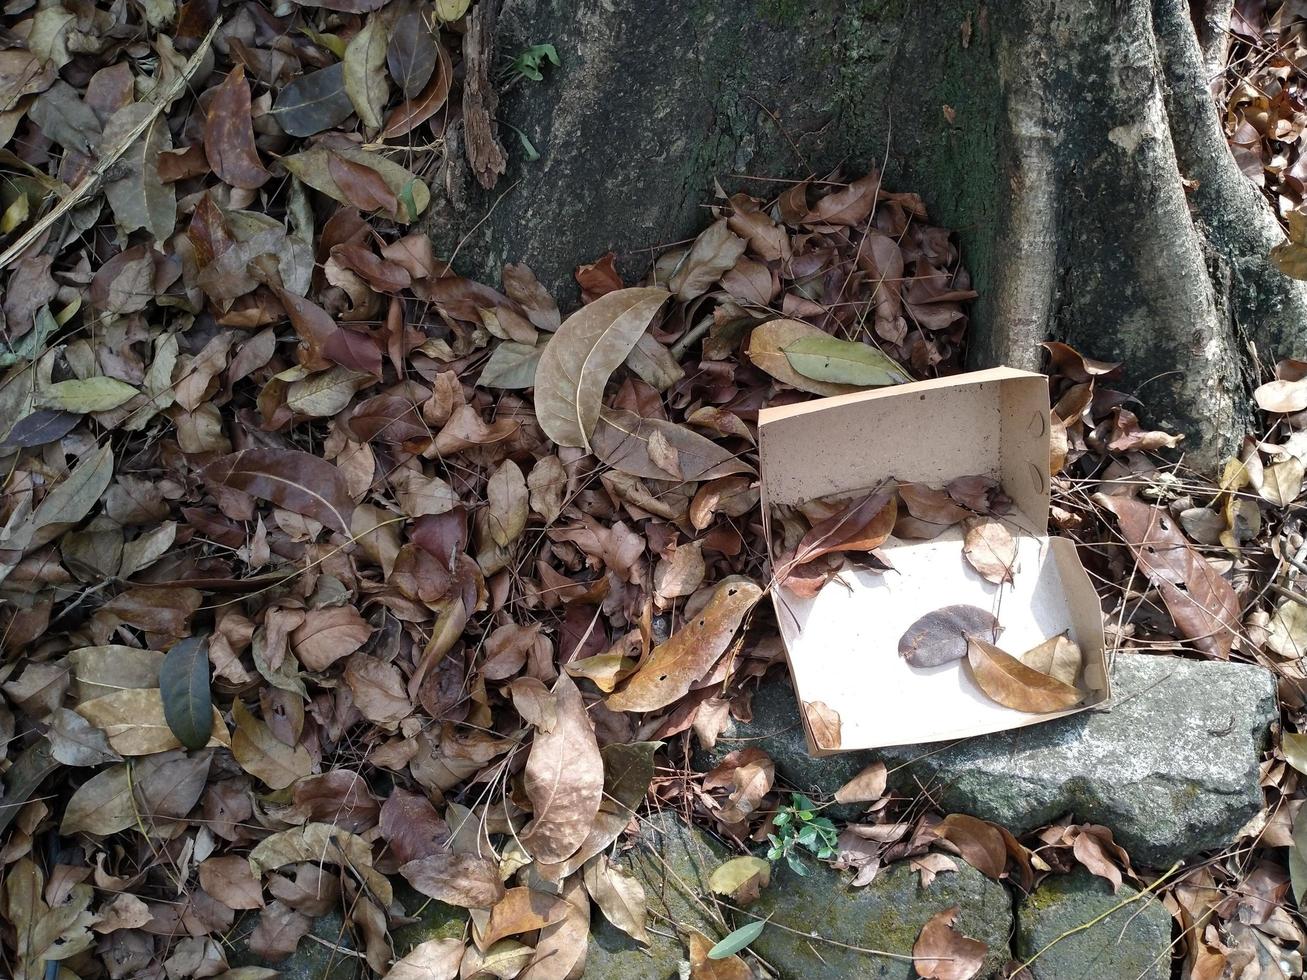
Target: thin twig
{"points": [[92, 179]]}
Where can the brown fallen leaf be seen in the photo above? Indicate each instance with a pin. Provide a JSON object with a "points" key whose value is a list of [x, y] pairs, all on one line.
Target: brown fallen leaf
{"points": [[564, 779], [866, 787], [464, 880], [862, 525], [688, 655], [520, 910], [434, 959], [990, 549], [295, 480], [619, 895], [941, 636], [1202, 603], [229, 134], [1011, 683], [943, 953], [823, 723], [980, 843], [1058, 656]]}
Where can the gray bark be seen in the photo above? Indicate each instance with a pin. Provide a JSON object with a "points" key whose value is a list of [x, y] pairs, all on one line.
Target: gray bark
{"points": [[1072, 144]]}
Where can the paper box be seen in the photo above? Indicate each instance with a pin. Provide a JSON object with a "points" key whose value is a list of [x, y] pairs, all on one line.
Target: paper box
{"points": [[842, 644]]}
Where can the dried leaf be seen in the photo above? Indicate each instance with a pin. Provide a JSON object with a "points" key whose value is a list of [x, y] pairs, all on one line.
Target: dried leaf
{"points": [[714, 252], [520, 910], [465, 880], [1202, 603], [579, 358], [941, 636], [619, 895], [313, 102], [823, 722], [75, 742], [229, 134], [98, 394], [1058, 656], [293, 480], [722, 968], [564, 779], [135, 724], [365, 75], [863, 524], [980, 843], [434, 959], [260, 753], [767, 345], [741, 879], [137, 195], [674, 666], [867, 786], [943, 953], [1012, 684], [1282, 397], [321, 843], [990, 549], [506, 495]]}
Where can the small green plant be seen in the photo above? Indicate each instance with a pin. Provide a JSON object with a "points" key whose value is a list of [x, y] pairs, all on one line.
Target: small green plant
{"points": [[798, 828], [528, 63]]}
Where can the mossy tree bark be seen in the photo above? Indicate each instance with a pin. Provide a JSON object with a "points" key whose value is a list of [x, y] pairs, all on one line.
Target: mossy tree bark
{"points": [[1072, 144]]}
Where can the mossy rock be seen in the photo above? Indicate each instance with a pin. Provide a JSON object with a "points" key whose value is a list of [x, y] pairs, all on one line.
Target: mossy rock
{"points": [[885, 915], [312, 960], [1133, 941], [672, 860], [435, 920]]}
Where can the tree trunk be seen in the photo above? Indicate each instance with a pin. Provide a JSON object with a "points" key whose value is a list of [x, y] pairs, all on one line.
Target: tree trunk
{"points": [[1073, 145]]}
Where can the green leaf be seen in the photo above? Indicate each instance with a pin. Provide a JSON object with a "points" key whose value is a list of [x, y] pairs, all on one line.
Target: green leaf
{"points": [[98, 394], [842, 362], [184, 684], [737, 940]]}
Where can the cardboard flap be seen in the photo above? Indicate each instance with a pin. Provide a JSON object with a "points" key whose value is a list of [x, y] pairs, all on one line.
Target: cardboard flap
{"points": [[992, 423]]}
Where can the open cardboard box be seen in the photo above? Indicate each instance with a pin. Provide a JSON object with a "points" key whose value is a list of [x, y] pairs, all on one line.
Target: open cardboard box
{"points": [[842, 645]]}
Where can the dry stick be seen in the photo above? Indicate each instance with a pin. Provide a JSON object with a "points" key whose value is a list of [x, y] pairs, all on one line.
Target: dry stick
{"points": [[1147, 892], [92, 179]]}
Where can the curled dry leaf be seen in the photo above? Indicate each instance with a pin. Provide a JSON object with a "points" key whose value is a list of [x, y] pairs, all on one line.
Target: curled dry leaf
{"points": [[823, 722], [704, 967], [864, 524], [619, 895], [1058, 656], [1202, 603], [979, 842], [579, 358], [321, 843], [519, 910], [564, 779], [674, 666], [941, 636], [990, 549], [943, 953], [1011, 683]]}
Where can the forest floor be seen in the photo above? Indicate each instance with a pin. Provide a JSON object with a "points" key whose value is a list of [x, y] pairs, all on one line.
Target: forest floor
{"points": [[361, 617]]}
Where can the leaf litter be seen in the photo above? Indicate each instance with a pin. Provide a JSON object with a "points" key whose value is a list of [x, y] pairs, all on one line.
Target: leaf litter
{"points": [[326, 569]]}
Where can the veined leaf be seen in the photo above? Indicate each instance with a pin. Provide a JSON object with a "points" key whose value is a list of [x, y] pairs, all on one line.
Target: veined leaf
{"points": [[767, 346], [844, 362], [579, 358], [1011, 683], [293, 480], [184, 685], [98, 394], [737, 940]]}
